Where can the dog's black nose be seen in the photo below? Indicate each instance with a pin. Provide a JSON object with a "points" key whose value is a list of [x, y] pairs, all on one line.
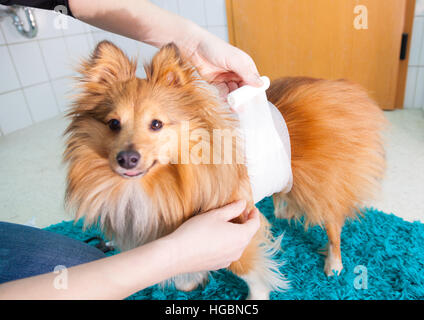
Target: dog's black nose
{"points": [[128, 159]]}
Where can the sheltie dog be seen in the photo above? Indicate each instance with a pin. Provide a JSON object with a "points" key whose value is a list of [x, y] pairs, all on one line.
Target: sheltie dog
{"points": [[119, 125]]}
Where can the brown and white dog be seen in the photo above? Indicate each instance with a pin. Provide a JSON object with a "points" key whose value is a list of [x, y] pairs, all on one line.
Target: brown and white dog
{"points": [[120, 123]]}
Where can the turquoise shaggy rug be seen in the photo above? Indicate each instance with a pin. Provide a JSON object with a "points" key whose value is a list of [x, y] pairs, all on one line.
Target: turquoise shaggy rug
{"points": [[383, 258]]}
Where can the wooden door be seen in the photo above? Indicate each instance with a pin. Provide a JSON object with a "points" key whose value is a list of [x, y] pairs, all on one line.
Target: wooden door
{"points": [[321, 38]]}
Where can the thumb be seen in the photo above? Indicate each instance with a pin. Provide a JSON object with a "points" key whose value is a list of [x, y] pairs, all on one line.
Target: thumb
{"points": [[252, 79], [232, 210], [246, 69], [253, 221]]}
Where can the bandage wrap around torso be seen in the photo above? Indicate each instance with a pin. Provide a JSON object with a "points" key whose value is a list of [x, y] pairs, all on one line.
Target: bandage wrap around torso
{"points": [[266, 141]]}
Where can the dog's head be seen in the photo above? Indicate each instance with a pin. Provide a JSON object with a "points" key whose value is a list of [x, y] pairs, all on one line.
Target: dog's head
{"points": [[136, 147], [135, 124]]}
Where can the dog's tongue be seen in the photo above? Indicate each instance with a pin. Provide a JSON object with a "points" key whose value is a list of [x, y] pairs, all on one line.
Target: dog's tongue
{"points": [[132, 173]]}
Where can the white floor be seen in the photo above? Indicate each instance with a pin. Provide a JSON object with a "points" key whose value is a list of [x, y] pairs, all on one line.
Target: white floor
{"points": [[403, 187], [32, 177]]}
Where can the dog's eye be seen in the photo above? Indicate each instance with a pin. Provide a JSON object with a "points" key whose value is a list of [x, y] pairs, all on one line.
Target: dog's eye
{"points": [[114, 125], [156, 125]]}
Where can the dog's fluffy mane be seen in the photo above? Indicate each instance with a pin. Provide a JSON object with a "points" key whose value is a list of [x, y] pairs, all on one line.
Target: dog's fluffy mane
{"points": [[156, 204]]}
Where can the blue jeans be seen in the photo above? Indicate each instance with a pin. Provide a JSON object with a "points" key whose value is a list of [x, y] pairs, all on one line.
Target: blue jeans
{"points": [[27, 251]]}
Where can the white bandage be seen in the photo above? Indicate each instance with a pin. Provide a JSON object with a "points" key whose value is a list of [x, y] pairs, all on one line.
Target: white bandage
{"points": [[266, 141]]}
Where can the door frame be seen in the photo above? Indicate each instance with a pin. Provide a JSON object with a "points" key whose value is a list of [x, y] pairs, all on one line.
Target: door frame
{"points": [[403, 64]]}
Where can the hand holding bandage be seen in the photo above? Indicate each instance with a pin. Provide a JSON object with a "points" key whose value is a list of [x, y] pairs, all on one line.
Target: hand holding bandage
{"points": [[266, 140]]}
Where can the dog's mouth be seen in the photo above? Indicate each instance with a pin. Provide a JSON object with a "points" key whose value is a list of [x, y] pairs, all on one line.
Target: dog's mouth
{"points": [[136, 173], [133, 174]]}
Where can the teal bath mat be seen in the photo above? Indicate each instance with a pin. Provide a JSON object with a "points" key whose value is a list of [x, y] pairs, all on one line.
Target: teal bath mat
{"points": [[383, 258]]}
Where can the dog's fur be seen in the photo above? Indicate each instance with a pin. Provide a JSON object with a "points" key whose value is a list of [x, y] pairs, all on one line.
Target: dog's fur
{"points": [[337, 157]]}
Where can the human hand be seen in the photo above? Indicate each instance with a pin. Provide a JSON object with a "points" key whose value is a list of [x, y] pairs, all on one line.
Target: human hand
{"points": [[210, 241], [222, 64]]}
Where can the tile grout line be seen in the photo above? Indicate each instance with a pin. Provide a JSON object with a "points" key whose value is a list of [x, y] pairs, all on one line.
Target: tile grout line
{"points": [[4, 36], [205, 15], [415, 89], [178, 8], [34, 84], [421, 42], [20, 85], [49, 77], [68, 54], [46, 38]]}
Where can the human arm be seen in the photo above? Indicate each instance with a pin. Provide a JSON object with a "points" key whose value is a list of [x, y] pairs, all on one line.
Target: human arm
{"points": [[217, 61], [205, 242]]}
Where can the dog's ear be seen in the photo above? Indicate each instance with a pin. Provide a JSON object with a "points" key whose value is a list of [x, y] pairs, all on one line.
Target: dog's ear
{"points": [[168, 67], [107, 65]]}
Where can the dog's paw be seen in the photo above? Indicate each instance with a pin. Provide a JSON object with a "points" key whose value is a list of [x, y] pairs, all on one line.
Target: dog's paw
{"points": [[332, 266], [190, 281], [261, 294], [186, 286]]}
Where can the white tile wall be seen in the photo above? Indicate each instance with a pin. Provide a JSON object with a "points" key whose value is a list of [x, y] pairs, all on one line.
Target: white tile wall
{"points": [[45, 22], [41, 101], [416, 41], [14, 114], [56, 57], [8, 79], [2, 41], [170, 5], [104, 35], [419, 8], [28, 62], [193, 10], [419, 89], [63, 89], [79, 47], [219, 31], [414, 92], [35, 74], [129, 46], [215, 13], [75, 27], [411, 80]]}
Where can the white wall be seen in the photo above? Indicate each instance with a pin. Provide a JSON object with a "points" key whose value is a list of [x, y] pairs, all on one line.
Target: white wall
{"points": [[35, 74], [414, 93]]}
